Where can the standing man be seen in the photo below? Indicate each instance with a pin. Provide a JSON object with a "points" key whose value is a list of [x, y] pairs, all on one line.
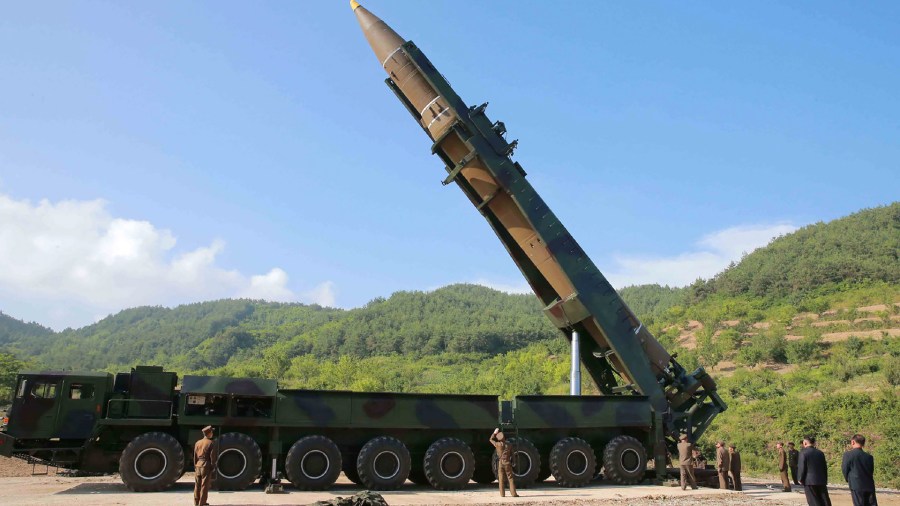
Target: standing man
{"points": [[858, 468], [813, 473], [793, 455], [685, 449], [504, 465], [205, 454], [783, 467], [723, 464], [735, 468]]}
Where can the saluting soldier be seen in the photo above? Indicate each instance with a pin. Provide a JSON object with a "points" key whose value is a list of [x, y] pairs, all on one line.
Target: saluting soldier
{"points": [[685, 449], [504, 464], [735, 466], [723, 464], [205, 454], [783, 467]]}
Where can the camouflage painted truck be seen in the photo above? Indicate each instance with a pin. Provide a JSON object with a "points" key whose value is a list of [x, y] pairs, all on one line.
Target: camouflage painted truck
{"points": [[143, 425]]}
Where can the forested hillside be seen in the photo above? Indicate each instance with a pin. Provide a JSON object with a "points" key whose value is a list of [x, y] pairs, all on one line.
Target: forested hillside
{"points": [[803, 336], [12, 330], [862, 247]]}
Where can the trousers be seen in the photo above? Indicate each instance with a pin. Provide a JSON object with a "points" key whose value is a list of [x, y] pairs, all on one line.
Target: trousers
{"points": [[817, 495], [687, 477], [202, 482], [505, 471]]}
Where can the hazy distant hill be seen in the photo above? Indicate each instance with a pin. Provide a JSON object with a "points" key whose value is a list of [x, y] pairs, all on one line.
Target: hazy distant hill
{"points": [[12, 330]]}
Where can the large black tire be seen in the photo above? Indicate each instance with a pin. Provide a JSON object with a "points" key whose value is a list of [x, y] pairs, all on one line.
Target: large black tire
{"points": [[313, 463], [526, 462], [151, 462], [383, 464], [239, 462], [449, 464], [624, 461], [573, 462]]}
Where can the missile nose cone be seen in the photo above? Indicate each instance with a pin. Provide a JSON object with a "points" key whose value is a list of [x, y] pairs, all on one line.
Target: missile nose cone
{"points": [[383, 39]]}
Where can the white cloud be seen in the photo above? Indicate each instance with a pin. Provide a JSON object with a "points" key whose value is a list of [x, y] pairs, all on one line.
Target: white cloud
{"points": [[323, 295], [63, 263], [712, 254]]}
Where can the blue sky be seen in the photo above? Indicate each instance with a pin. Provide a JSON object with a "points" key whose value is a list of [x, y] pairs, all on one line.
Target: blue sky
{"points": [[167, 152]]}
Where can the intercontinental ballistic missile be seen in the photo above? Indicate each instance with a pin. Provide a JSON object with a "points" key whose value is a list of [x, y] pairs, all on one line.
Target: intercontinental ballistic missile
{"points": [[621, 356]]}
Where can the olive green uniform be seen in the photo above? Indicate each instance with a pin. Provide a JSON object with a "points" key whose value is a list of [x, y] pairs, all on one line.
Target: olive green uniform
{"points": [[783, 470], [205, 454], [685, 457], [504, 465], [723, 464], [735, 468]]}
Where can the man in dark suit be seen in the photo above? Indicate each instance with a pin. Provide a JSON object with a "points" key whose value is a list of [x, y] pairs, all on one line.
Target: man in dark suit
{"points": [[813, 471], [858, 468]]}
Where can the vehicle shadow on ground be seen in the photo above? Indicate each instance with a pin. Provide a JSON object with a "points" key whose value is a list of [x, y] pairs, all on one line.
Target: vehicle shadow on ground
{"points": [[340, 489], [118, 488]]}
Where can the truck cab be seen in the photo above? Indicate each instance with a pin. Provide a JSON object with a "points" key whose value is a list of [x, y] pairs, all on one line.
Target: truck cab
{"points": [[53, 410]]}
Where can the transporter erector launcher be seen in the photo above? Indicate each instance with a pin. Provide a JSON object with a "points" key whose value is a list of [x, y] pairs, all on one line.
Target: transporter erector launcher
{"points": [[621, 355]]}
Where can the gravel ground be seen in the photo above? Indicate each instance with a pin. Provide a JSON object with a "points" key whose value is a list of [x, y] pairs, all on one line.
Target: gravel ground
{"points": [[19, 487]]}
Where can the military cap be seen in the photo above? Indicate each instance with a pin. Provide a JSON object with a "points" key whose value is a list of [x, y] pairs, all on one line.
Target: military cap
{"points": [[208, 428]]}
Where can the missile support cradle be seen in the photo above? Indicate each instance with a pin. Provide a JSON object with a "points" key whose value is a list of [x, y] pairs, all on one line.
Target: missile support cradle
{"points": [[143, 426]]}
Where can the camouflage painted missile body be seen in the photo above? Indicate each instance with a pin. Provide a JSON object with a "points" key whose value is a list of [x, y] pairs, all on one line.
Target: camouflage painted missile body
{"points": [[576, 294]]}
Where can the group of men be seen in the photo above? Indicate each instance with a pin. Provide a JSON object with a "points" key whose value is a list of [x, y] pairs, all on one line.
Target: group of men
{"points": [[810, 469], [807, 468], [728, 463]]}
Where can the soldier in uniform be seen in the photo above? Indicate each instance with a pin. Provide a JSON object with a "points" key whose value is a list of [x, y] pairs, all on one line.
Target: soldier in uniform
{"points": [[698, 460], [782, 461], [504, 464], [205, 454], [723, 464], [685, 449], [793, 455], [735, 466]]}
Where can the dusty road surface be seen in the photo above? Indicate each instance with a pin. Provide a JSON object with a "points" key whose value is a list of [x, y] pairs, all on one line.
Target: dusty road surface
{"points": [[108, 490]]}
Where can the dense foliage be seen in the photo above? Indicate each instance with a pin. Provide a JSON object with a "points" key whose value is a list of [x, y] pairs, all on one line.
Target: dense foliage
{"points": [[864, 246]]}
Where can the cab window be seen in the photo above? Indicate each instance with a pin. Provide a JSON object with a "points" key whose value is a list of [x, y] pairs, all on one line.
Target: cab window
{"points": [[23, 387], [80, 391], [44, 390]]}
